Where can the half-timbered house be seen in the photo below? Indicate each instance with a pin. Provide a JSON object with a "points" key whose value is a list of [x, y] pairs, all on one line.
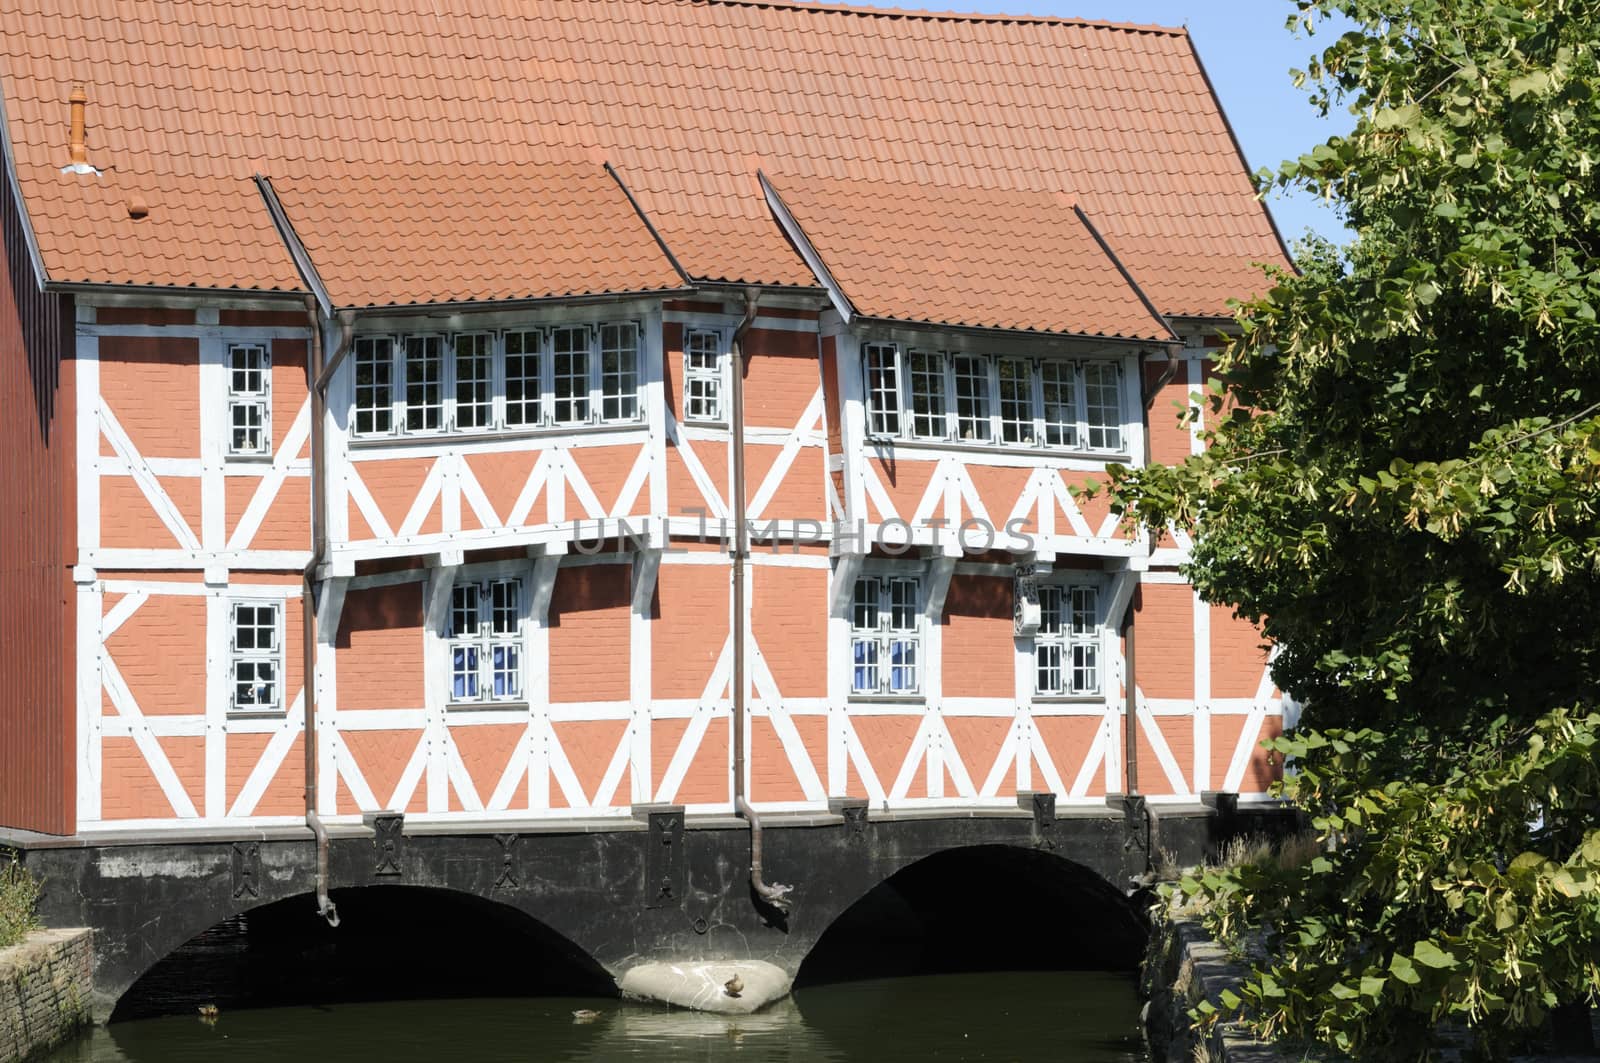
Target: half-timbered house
{"points": [[386, 385]]}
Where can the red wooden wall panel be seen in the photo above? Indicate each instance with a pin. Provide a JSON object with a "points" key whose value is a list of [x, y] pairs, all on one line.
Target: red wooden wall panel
{"points": [[37, 542]]}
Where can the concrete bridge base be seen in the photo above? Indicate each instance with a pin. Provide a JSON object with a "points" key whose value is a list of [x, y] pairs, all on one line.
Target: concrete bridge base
{"points": [[660, 904]]}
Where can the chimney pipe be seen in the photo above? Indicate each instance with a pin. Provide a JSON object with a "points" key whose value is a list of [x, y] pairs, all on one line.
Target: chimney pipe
{"points": [[79, 151]]}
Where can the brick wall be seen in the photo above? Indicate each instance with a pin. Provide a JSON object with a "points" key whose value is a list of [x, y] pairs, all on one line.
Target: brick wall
{"points": [[44, 991]]}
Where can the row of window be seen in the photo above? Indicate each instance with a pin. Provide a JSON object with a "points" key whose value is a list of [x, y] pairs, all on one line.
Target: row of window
{"points": [[888, 628], [571, 375], [976, 398], [428, 383]]}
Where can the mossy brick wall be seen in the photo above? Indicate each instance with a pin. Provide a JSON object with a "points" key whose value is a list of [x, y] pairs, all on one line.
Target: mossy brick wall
{"points": [[44, 991]]}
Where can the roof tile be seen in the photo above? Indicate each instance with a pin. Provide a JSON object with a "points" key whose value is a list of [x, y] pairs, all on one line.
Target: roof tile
{"points": [[685, 97]]}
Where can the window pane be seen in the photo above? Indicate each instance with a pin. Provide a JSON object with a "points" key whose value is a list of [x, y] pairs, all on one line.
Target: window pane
{"points": [[702, 375], [464, 609], [619, 372], [474, 394], [1085, 669], [374, 370], [972, 397], [570, 352], [524, 389], [1049, 610], [1085, 602], [928, 419], [424, 368], [1103, 408], [247, 365], [506, 666], [903, 605], [902, 666], [883, 390], [504, 606], [1047, 655], [464, 673], [864, 677], [1060, 404], [1016, 401], [864, 607], [248, 428]]}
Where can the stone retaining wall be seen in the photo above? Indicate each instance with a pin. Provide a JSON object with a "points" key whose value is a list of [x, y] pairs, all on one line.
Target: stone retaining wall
{"points": [[44, 991], [1183, 967]]}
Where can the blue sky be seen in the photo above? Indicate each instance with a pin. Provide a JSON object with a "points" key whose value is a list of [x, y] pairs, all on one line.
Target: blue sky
{"points": [[1248, 54]]}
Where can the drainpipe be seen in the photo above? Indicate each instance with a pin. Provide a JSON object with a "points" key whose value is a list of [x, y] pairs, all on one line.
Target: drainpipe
{"points": [[318, 383], [774, 893]]}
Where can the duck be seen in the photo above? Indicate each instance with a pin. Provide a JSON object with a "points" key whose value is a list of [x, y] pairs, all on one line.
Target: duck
{"points": [[733, 986], [584, 1015], [209, 1012]]}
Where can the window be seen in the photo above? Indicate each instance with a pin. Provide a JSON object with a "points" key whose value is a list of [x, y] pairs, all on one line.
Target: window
{"points": [[1016, 401], [702, 375], [1067, 645], [524, 378], [883, 389], [570, 353], [255, 656], [485, 639], [973, 398], [249, 399], [424, 383], [1103, 407], [1059, 387], [886, 636], [619, 372], [474, 361], [928, 419], [374, 385], [480, 381]]}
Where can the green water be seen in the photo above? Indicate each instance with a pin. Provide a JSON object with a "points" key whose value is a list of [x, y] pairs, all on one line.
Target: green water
{"points": [[1082, 1017]]}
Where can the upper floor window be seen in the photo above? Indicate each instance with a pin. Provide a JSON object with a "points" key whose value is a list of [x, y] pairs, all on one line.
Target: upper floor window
{"points": [[702, 375], [249, 399], [566, 375], [886, 633], [256, 656], [485, 637], [975, 398], [1066, 647]]}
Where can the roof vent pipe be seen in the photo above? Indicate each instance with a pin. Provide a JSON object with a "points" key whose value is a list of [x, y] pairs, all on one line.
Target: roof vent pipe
{"points": [[77, 147]]}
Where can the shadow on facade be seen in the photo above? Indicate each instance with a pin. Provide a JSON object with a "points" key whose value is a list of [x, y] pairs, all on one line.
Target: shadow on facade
{"points": [[982, 908], [393, 943]]}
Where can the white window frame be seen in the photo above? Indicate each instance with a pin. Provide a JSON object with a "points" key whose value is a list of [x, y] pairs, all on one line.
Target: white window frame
{"points": [[924, 408], [879, 594], [1076, 648], [245, 400], [256, 656], [483, 640], [442, 382], [492, 391], [622, 387], [709, 406]]}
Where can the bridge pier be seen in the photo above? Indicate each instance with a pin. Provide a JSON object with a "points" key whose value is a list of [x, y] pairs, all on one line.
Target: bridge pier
{"points": [[630, 898]]}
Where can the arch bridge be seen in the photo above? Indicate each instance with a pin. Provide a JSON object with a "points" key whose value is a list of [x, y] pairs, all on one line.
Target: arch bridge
{"points": [[660, 888]]}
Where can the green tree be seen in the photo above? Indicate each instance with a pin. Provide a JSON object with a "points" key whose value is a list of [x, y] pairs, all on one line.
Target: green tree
{"points": [[1401, 487]]}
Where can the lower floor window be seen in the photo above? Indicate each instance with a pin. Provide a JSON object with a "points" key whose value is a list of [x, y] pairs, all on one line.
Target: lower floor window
{"points": [[256, 656], [886, 636], [485, 638], [1067, 645]]}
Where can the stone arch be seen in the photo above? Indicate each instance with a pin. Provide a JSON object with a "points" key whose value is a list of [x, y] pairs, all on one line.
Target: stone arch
{"points": [[369, 913], [979, 893]]}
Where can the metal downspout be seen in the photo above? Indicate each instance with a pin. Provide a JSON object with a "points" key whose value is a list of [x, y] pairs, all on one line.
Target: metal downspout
{"points": [[774, 893], [318, 385]]}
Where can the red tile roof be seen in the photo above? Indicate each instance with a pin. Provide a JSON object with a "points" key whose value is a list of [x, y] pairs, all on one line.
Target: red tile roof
{"points": [[473, 233], [972, 257], [686, 98]]}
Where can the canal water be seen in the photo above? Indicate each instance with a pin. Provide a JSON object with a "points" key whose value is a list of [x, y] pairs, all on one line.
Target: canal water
{"points": [[1071, 1016]]}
